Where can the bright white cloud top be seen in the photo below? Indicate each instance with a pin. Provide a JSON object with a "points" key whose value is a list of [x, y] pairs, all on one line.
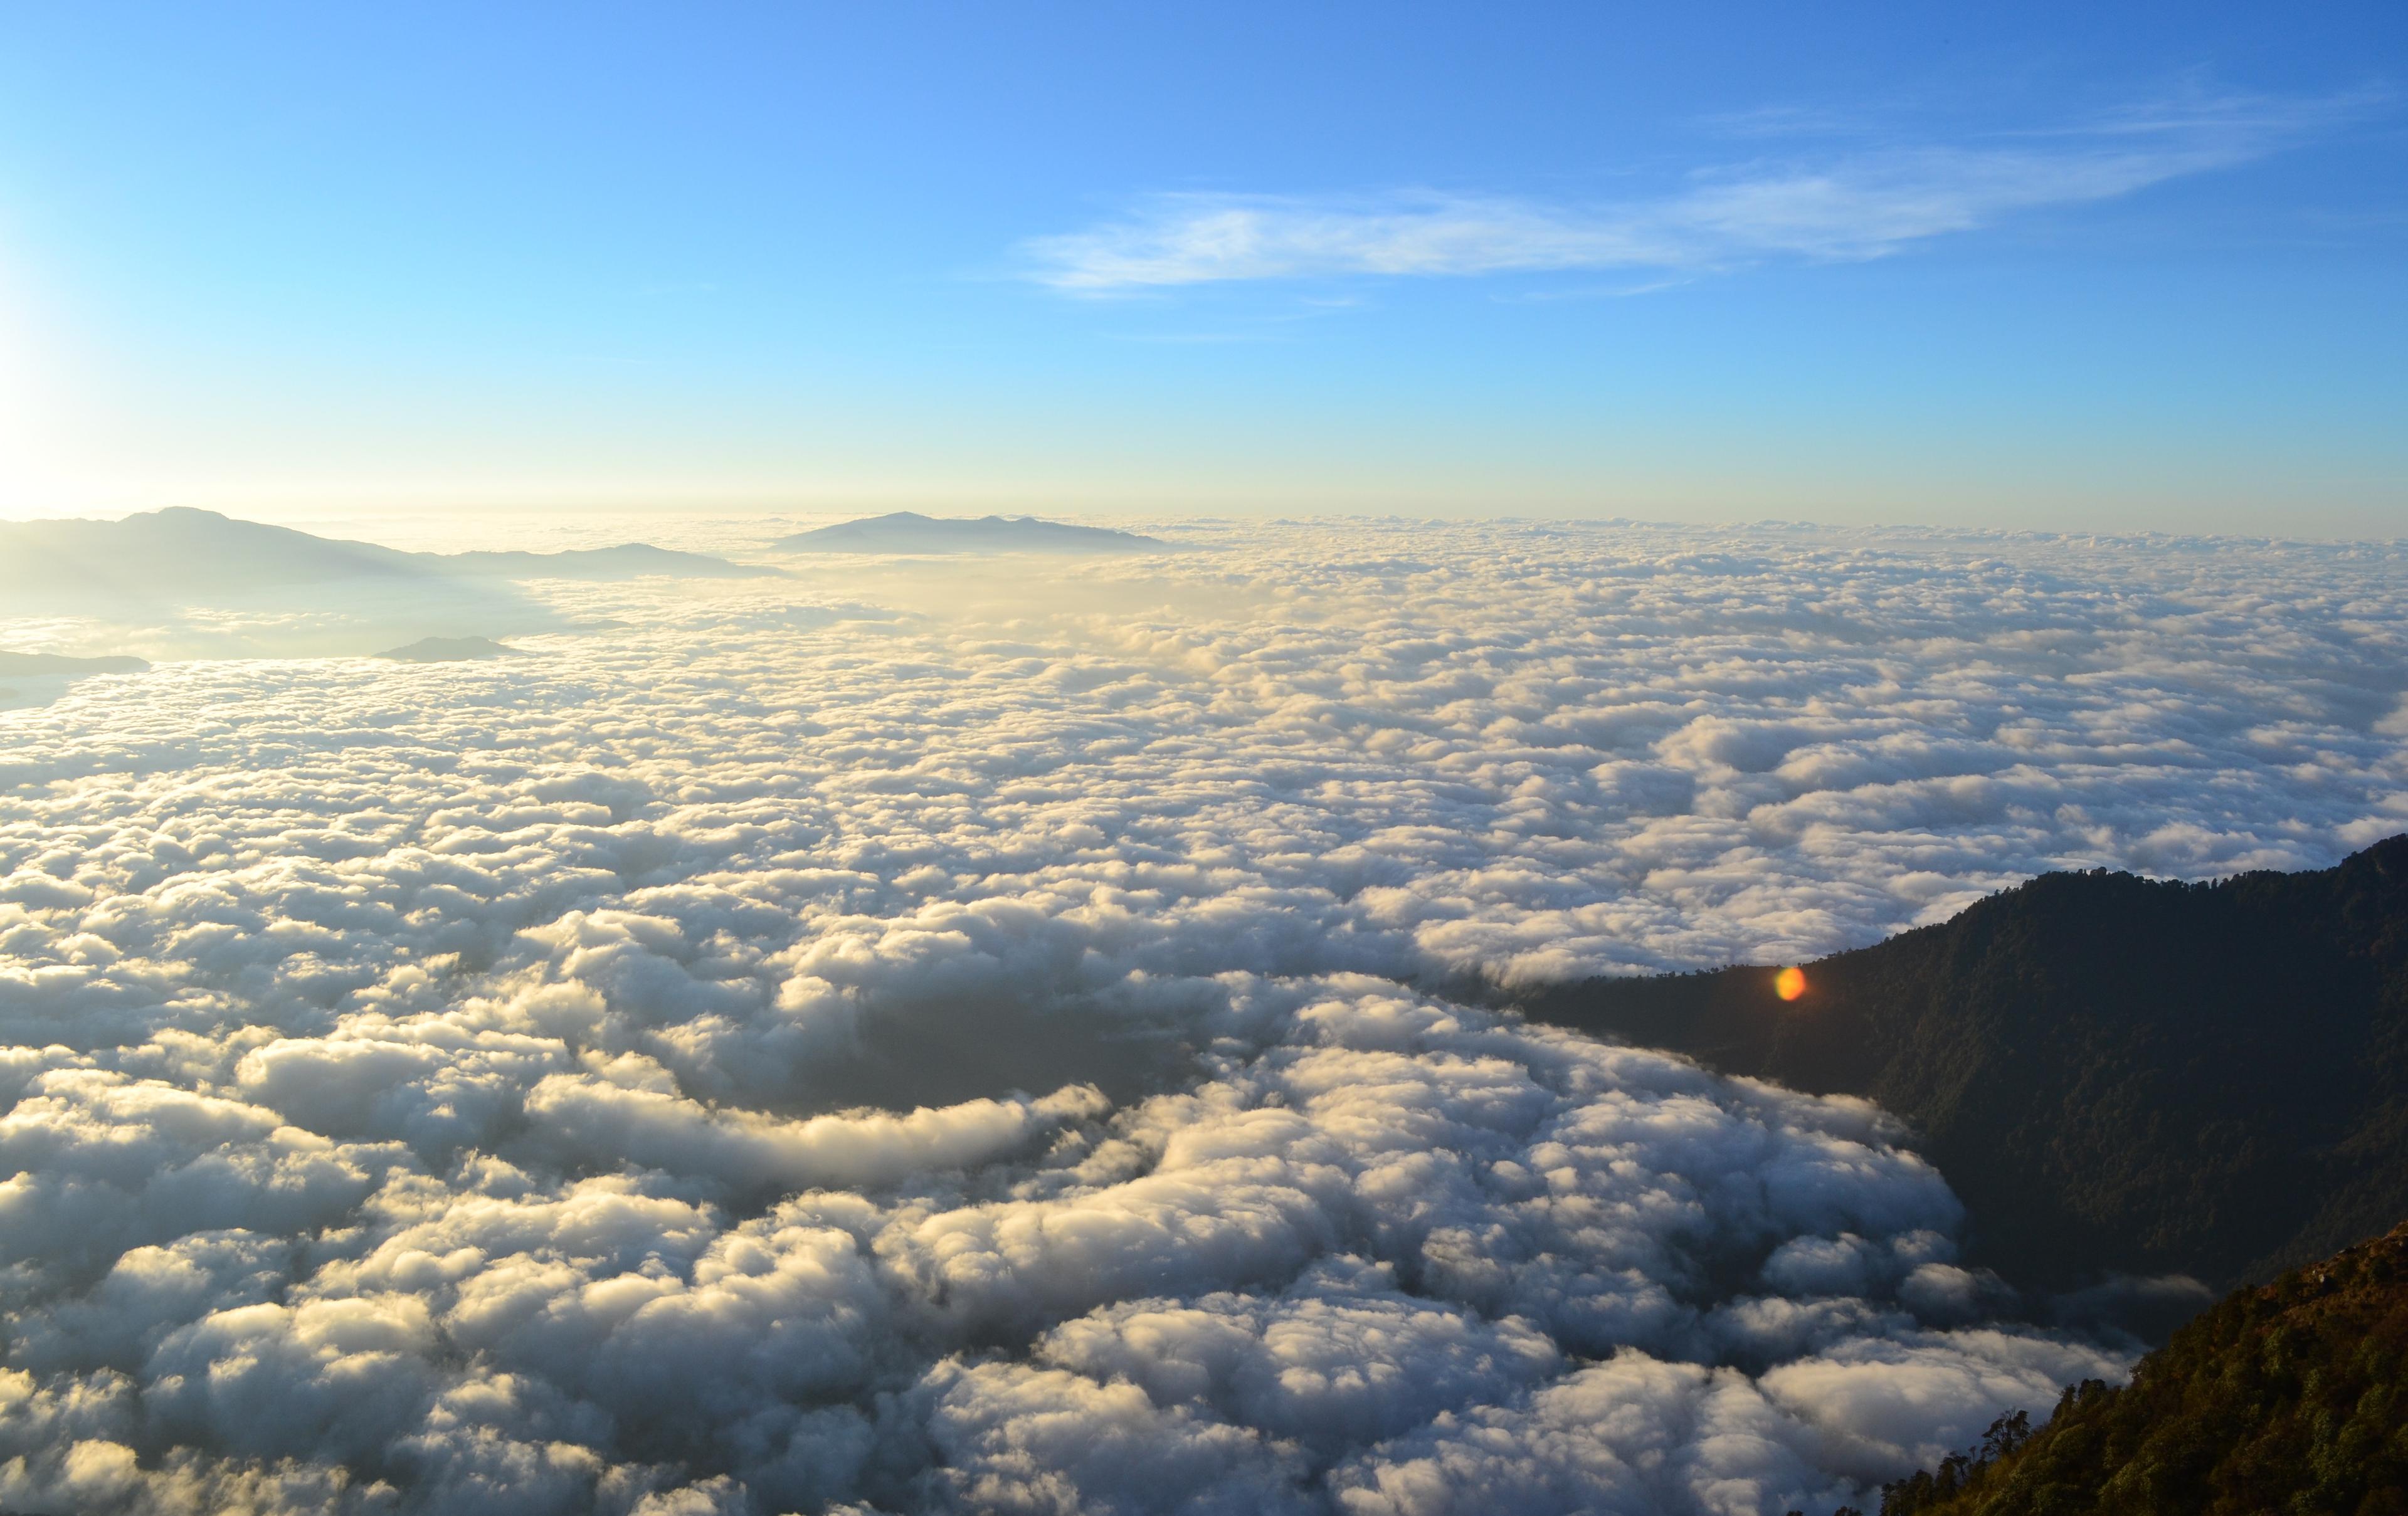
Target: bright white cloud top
{"points": [[990, 1037]]}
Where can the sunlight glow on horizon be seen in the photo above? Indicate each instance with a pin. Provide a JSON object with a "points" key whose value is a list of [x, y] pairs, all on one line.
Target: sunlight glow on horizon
{"points": [[1646, 269]]}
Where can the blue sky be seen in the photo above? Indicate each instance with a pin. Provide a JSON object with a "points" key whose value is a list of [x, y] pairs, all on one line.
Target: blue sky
{"points": [[2011, 266]]}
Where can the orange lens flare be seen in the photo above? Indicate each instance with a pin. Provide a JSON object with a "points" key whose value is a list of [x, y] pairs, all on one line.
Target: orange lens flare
{"points": [[1789, 984]]}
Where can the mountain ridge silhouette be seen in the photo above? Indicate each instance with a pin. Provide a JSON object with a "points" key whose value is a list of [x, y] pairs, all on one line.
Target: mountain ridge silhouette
{"points": [[908, 531], [181, 549], [2119, 1075]]}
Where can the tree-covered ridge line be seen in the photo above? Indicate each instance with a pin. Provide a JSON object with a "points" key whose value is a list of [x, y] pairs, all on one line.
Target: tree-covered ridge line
{"points": [[2291, 1398], [2119, 1075]]}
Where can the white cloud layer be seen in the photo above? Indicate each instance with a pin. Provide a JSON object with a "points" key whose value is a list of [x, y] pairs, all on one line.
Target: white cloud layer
{"points": [[1857, 204], [771, 1054]]}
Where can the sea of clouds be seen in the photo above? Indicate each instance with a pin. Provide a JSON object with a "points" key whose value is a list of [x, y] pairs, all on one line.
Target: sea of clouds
{"points": [[1005, 1037]]}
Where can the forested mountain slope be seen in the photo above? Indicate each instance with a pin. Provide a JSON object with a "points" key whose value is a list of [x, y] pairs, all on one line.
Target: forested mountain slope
{"points": [[2292, 1397], [2117, 1073]]}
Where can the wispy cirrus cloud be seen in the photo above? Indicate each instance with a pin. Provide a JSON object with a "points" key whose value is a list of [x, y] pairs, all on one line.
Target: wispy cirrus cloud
{"points": [[1862, 204]]}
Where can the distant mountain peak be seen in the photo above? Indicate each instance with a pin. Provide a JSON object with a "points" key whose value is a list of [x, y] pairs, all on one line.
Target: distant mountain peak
{"points": [[449, 649], [35, 663], [910, 532], [187, 550]]}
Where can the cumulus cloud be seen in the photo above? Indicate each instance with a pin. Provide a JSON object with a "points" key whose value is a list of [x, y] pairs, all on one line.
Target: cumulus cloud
{"points": [[774, 1056]]}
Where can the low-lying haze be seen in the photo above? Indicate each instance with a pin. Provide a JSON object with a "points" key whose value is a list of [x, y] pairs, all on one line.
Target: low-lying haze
{"points": [[990, 1035]]}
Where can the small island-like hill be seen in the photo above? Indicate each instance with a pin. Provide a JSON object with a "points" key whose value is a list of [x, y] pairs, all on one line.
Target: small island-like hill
{"points": [[909, 532], [449, 649]]}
